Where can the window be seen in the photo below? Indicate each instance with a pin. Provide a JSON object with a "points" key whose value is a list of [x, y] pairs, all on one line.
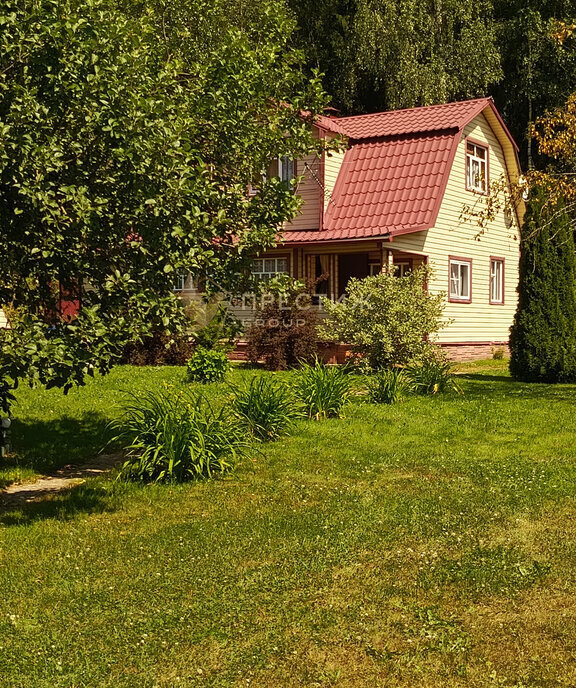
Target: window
{"points": [[496, 280], [374, 269], [180, 282], [460, 280], [403, 268], [476, 167], [266, 268], [286, 170]]}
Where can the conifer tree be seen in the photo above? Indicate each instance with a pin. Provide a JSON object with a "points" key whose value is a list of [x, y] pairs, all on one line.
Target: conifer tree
{"points": [[543, 336]]}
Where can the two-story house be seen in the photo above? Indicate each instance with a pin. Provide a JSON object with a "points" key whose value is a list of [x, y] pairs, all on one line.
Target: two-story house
{"points": [[396, 196]]}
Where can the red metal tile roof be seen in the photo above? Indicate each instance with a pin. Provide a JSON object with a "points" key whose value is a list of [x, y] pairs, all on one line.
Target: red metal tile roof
{"points": [[414, 120], [394, 174]]}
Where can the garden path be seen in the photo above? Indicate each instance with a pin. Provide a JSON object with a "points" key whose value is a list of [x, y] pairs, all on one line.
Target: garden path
{"points": [[65, 478]]}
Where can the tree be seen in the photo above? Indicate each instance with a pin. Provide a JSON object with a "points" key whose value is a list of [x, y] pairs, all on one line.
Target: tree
{"points": [[386, 54], [387, 320], [543, 336], [539, 71], [125, 154]]}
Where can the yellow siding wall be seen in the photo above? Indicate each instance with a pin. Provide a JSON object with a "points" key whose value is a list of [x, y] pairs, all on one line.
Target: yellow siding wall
{"points": [[3, 319], [478, 321], [332, 164]]}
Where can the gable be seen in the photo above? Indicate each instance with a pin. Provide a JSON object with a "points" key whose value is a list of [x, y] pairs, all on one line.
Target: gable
{"points": [[393, 177]]}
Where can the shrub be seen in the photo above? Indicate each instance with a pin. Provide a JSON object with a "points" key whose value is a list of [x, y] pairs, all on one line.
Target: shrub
{"points": [[207, 365], [285, 333], [170, 437], [386, 320], [265, 408], [543, 336], [433, 378], [158, 349], [323, 390], [388, 386], [220, 328]]}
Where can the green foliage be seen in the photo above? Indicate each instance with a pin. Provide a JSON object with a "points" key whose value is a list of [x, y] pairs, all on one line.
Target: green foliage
{"points": [[322, 390], [539, 71], [129, 135], [543, 336], [388, 386], [176, 437], [207, 365], [387, 320], [285, 332], [267, 409], [219, 332], [385, 54], [433, 377]]}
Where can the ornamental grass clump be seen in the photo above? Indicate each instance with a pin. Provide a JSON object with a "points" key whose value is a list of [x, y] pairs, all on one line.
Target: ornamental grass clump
{"points": [[433, 378], [388, 386], [322, 390], [265, 408], [176, 437]]}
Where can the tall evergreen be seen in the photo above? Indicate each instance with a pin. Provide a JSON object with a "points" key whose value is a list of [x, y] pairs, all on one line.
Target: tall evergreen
{"points": [[543, 336]]}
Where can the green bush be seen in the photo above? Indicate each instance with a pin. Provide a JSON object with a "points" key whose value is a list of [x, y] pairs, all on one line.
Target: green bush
{"points": [[433, 378], [388, 386], [322, 390], [265, 408], [386, 320], [543, 336], [174, 438], [207, 365]]}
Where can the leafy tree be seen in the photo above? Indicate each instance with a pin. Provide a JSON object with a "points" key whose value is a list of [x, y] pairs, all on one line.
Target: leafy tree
{"points": [[125, 153], [385, 54], [543, 336], [387, 320], [539, 70]]}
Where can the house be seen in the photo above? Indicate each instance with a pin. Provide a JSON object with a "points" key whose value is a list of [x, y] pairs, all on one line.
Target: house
{"points": [[396, 196]]}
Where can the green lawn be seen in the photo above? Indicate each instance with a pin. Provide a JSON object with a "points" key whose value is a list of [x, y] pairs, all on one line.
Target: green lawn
{"points": [[428, 544]]}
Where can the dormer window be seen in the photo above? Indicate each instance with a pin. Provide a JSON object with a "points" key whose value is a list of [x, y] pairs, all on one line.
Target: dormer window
{"points": [[476, 167]]}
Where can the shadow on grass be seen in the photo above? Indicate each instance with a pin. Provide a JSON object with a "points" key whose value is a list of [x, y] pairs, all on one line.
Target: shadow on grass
{"points": [[48, 445], [479, 385], [63, 505], [483, 377]]}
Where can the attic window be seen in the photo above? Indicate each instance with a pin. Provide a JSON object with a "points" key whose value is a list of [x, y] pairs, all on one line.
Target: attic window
{"points": [[476, 167]]}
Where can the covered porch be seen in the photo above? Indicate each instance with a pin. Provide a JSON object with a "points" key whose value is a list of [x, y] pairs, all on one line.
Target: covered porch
{"points": [[328, 269]]}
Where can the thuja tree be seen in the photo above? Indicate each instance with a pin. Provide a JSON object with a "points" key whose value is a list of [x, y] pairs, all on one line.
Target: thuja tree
{"points": [[543, 336], [126, 148], [386, 320]]}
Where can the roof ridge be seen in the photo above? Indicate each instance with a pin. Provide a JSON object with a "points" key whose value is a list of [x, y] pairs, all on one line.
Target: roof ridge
{"points": [[417, 107]]}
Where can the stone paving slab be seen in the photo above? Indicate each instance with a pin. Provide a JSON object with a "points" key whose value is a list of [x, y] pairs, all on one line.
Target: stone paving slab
{"points": [[64, 479]]}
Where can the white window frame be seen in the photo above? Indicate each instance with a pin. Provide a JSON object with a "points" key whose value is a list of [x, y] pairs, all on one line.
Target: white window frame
{"points": [[476, 180], [404, 268], [496, 281], [458, 294], [374, 269], [260, 267], [180, 282]]}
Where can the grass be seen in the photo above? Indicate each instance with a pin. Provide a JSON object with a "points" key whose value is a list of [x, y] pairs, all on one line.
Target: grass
{"points": [[429, 543]]}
